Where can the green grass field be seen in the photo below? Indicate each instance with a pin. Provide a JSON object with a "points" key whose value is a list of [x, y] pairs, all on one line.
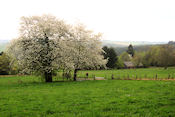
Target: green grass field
{"points": [[132, 73], [24, 96]]}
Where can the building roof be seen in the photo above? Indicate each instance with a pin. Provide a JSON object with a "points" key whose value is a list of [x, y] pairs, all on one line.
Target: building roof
{"points": [[140, 65], [128, 64]]}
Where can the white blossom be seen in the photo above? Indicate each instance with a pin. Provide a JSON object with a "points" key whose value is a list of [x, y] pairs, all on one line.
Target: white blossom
{"points": [[39, 47], [84, 50]]}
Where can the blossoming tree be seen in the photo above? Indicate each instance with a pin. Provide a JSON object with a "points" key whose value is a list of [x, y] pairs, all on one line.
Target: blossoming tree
{"points": [[39, 46], [85, 50]]}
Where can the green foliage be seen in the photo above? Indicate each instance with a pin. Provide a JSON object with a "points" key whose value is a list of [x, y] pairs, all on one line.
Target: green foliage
{"points": [[120, 63], [4, 64], [111, 55], [7, 66], [26, 96], [130, 50], [138, 59], [67, 74], [162, 55], [125, 57], [166, 56]]}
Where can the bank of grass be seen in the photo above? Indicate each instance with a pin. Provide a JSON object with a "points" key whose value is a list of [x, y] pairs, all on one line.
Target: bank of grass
{"points": [[132, 73], [27, 96]]}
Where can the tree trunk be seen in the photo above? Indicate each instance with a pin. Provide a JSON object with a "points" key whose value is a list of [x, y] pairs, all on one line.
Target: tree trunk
{"points": [[48, 76], [75, 74]]}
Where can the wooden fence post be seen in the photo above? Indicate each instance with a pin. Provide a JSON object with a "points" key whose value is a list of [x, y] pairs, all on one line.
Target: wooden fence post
{"points": [[140, 77], [172, 76], [124, 77], [128, 76], [112, 76], [168, 76], [119, 77], [145, 76], [94, 77], [156, 76]]}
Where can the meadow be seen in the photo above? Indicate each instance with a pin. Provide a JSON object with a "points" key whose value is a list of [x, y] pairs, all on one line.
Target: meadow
{"points": [[22, 96], [150, 73]]}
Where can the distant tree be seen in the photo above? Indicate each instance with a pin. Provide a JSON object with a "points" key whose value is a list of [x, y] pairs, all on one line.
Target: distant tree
{"points": [[163, 55], [146, 59], [137, 59], [120, 63], [125, 57], [151, 57], [111, 55], [130, 50], [166, 56]]}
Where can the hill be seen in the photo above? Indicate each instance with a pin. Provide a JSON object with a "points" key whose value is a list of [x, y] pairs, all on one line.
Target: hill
{"points": [[3, 44], [121, 46], [138, 48], [126, 43]]}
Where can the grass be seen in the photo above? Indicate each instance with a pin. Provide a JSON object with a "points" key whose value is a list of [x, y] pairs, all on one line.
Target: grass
{"points": [[132, 73], [24, 96]]}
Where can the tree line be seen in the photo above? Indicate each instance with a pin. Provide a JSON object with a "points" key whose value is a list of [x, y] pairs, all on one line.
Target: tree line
{"points": [[157, 56]]}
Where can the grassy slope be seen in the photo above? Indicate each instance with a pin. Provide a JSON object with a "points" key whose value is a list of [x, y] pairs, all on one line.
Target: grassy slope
{"points": [[26, 96], [123, 73]]}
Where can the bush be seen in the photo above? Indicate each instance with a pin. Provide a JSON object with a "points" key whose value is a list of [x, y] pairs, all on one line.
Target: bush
{"points": [[4, 64]]}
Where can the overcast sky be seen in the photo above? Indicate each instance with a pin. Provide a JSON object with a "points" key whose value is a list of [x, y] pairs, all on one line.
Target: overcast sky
{"points": [[119, 20]]}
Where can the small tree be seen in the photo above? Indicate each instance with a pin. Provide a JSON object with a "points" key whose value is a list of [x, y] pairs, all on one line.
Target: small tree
{"points": [[130, 50], [4, 64], [137, 59], [151, 56], [166, 56], [120, 63], [125, 57]]}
